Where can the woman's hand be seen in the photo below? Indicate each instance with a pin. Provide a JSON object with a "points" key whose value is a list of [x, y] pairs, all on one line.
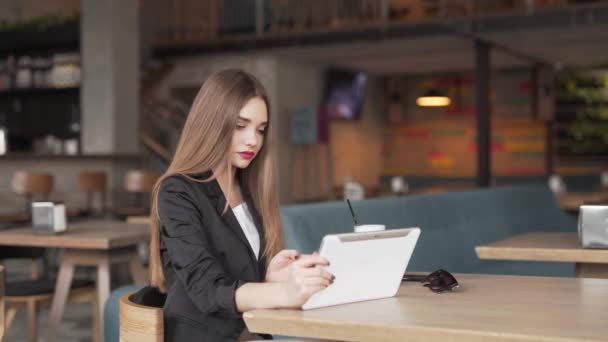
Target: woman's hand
{"points": [[279, 267], [307, 277]]}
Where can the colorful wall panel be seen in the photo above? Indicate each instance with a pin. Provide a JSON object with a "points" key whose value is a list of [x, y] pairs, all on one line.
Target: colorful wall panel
{"points": [[447, 148]]}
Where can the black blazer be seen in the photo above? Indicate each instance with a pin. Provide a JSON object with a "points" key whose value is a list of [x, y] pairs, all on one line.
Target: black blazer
{"points": [[206, 258]]}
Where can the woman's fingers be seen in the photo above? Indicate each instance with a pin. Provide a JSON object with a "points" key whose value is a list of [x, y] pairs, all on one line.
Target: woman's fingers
{"points": [[288, 254], [314, 273], [316, 282], [311, 260]]}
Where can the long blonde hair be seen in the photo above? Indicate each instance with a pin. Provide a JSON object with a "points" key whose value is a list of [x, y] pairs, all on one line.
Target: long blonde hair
{"points": [[204, 145]]}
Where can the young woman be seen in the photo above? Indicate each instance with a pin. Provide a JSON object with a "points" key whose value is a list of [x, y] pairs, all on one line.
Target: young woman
{"points": [[216, 232]]}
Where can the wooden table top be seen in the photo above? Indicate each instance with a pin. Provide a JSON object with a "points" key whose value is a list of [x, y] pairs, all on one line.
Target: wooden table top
{"points": [[542, 246], [89, 234], [485, 307], [139, 219]]}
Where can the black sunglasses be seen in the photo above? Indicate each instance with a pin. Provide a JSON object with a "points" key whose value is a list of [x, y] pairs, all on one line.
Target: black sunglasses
{"points": [[438, 281]]}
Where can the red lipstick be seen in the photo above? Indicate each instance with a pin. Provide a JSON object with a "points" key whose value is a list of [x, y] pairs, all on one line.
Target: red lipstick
{"points": [[247, 155]]}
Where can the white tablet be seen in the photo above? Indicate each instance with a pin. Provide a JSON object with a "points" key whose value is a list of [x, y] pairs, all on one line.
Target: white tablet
{"points": [[366, 265]]}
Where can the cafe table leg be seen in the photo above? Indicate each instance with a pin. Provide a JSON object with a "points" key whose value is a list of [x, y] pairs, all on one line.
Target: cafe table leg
{"points": [[60, 297], [592, 270], [80, 257], [102, 260], [103, 288]]}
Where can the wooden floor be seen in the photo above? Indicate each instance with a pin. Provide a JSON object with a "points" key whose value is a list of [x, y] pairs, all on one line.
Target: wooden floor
{"points": [[75, 326]]}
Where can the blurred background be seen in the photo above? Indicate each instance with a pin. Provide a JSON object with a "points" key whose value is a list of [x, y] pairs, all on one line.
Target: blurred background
{"points": [[369, 98], [107, 85]]}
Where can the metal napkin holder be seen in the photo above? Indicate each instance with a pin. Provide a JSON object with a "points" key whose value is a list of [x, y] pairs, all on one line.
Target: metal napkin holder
{"points": [[593, 226]]}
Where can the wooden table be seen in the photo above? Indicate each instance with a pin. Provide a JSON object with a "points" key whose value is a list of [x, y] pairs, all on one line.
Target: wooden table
{"points": [[571, 201], [139, 219], [549, 246], [86, 243], [484, 308]]}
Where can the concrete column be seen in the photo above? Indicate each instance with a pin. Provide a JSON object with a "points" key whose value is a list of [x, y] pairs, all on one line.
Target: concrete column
{"points": [[110, 66]]}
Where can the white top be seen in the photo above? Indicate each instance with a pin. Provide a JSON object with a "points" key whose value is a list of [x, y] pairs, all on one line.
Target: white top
{"points": [[243, 215]]}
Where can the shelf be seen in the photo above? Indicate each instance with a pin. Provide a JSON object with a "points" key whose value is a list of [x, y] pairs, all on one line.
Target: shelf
{"points": [[33, 91], [582, 109], [567, 124], [581, 104], [17, 156], [59, 38]]}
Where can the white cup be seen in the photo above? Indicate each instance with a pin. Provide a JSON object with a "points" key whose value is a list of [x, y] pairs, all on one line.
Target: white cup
{"points": [[364, 228]]}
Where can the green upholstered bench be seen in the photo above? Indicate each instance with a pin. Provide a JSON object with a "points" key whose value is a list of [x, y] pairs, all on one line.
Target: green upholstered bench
{"points": [[452, 224]]}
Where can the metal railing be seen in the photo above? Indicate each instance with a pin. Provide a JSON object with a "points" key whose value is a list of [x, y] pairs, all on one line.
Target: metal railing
{"points": [[161, 118], [180, 21]]}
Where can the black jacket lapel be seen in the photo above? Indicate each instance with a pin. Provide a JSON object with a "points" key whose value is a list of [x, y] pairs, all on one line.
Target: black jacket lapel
{"points": [[218, 200], [257, 220]]}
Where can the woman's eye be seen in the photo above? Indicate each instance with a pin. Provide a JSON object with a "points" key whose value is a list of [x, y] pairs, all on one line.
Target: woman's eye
{"points": [[240, 126], [262, 131]]}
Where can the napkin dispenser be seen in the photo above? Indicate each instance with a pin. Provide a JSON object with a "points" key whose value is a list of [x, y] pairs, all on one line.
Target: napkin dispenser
{"points": [[593, 226], [48, 218]]}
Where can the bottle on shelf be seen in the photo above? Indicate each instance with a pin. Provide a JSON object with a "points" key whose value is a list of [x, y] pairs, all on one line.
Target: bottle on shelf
{"points": [[24, 76], [39, 72], [47, 68], [4, 76], [66, 70], [11, 68]]}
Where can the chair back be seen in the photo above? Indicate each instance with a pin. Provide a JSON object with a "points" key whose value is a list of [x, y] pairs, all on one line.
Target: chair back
{"points": [[92, 181], [140, 322], [32, 183], [141, 181]]}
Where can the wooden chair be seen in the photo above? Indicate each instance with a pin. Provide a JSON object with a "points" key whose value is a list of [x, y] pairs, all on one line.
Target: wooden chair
{"points": [[91, 183], [38, 290], [31, 185], [34, 293], [140, 183], [140, 322], [145, 322], [35, 256]]}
